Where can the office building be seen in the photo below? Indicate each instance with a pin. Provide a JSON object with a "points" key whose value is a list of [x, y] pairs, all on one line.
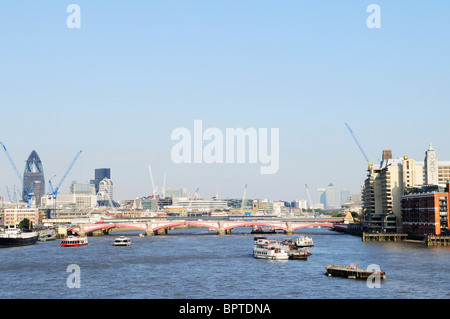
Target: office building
{"points": [[321, 197], [33, 178], [330, 197], [99, 175]]}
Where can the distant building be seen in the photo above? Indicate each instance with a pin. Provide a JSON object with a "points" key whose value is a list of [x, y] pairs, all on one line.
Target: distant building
{"points": [[73, 200], [321, 197], [175, 192], [425, 210], [299, 203], [80, 188], [345, 196], [106, 186], [99, 175], [33, 178], [330, 196]]}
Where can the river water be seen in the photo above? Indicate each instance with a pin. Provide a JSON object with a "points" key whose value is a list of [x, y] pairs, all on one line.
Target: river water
{"points": [[196, 264]]}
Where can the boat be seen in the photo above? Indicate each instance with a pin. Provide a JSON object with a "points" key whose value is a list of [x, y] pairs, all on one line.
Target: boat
{"points": [[13, 236], [352, 272], [303, 241], [269, 249], [122, 241], [263, 230], [74, 241], [294, 251]]}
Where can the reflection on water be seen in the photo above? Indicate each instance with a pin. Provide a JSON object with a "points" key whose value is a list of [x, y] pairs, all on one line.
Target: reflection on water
{"points": [[196, 263]]}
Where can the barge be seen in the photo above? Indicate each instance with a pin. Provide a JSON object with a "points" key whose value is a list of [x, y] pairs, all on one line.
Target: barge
{"points": [[352, 272]]}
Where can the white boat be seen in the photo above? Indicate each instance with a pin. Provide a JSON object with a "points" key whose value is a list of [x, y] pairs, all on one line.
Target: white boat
{"points": [[122, 241], [12, 236], [269, 249], [303, 241], [74, 241]]}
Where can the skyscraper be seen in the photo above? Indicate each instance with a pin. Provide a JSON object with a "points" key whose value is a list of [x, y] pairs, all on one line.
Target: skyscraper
{"points": [[330, 196], [99, 175], [33, 177]]}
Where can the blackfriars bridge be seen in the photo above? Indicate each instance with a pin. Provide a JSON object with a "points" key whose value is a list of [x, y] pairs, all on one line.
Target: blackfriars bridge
{"points": [[222, 227]]}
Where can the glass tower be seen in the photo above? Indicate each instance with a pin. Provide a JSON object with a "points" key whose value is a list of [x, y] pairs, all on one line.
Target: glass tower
{"points": [[33, 177]]}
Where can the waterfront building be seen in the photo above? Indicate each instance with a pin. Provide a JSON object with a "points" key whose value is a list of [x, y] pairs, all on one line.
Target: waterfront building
{"points": [[383, 189], [388, 181], [33, 178], [13, 216], [425, 210]]}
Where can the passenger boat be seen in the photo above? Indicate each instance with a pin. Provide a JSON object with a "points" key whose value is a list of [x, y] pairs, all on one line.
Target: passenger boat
{"points": [[269, 249], [13, 236], [352, 272], [74, 241], [303, 241], [263, 230], [122, 241]]}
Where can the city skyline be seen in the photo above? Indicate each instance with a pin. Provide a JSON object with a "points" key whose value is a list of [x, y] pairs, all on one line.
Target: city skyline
{"points": [[117, 87]]}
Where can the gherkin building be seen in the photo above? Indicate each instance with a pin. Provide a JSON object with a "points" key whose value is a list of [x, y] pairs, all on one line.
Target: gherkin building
{"points": [[33, 177]]}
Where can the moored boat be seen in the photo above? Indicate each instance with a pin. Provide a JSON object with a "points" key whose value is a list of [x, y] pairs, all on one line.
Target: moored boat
{"points": [[74, 241], [263, 230], [304, 241], [295, 252], [122, 241], [352, 272], [13, 236]]}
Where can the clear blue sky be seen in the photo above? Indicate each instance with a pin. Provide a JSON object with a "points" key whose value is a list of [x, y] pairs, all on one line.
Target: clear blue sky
{"points": [[136, 70]]}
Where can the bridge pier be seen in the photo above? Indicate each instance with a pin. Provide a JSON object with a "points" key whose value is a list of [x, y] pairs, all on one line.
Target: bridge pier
{"points": [[288, 228], [221, 230], [148, 230], [82, 231]]}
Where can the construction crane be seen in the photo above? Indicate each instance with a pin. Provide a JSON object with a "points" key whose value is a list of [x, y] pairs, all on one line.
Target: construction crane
{"points": [[243, 199], [9, 195], [359, 145], [154, 190], [55, 190], [29, 194], [310, 200]]}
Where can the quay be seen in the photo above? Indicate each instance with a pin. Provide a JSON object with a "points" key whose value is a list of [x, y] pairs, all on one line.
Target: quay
{"points": [[436, 240], [383, 237]]}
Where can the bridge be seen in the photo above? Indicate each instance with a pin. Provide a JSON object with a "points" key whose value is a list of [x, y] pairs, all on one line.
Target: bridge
{"points": [[222, 227]]}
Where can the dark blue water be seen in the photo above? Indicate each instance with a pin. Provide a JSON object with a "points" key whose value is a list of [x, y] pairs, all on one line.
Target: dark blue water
{"points": [[195, 264]]}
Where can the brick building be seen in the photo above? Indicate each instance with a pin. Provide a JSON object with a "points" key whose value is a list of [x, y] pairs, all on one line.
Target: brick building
{"points": [[425, 210]]}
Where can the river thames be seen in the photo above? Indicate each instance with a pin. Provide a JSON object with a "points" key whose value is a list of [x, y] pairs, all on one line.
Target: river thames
{"points": [[196, 264]]}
